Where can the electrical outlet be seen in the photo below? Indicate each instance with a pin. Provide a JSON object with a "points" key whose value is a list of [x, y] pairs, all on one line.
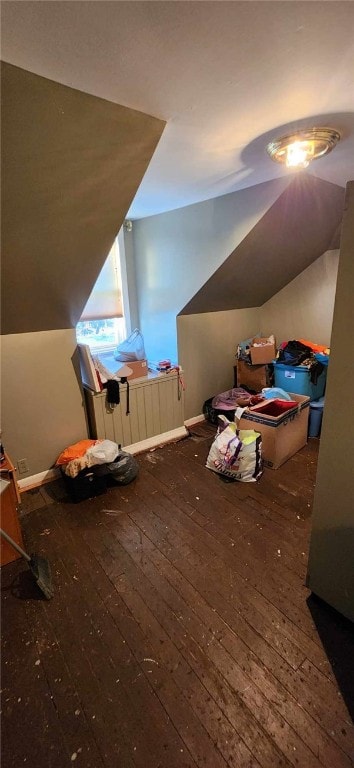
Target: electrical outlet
{"points": [[22, 466]]}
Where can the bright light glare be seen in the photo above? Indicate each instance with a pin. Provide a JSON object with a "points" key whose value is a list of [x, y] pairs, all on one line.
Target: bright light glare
{"points": [[298, 155]]}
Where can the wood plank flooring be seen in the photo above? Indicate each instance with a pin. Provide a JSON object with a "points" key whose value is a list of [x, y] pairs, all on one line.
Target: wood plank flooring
{"points": [[181, 634]]}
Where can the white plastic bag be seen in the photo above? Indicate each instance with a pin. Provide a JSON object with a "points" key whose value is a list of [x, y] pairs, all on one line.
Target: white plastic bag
{"points": [[104, 452], [236, 453], [131, 348]]}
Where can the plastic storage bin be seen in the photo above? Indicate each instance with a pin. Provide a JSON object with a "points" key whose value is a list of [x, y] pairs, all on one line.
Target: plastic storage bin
{"points": [[296, 378], [315, 420]]}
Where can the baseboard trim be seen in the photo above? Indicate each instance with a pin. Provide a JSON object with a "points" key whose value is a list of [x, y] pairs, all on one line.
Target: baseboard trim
{"points": [[34, 481], [27, 483], [194, 420], [153, 442]]}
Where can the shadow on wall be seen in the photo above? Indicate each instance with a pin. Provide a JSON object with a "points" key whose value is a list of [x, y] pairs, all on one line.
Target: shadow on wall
{"points": [[337, 637], [75, 359]]}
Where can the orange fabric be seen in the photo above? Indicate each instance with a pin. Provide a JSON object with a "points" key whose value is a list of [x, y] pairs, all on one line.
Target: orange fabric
{"points": [[314, 347], [75, 451]]}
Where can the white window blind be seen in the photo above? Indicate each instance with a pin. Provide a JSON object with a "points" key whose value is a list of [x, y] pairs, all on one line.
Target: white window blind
{"points": [[105, 300]]}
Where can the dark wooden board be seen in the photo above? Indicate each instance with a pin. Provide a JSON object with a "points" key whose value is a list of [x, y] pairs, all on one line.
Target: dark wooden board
{"points": [[180, 634]]}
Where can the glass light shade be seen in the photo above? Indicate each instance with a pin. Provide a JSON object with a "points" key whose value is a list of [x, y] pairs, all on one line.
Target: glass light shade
{"points": [[297, 150]]}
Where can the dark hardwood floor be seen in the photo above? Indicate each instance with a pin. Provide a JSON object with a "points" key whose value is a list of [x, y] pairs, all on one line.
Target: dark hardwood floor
{"points": [[181, 633]]}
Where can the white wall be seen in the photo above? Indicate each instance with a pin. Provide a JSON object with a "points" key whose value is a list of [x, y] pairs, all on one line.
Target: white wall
{"points": [[126, 247], [208, 344], [176, 252], [42, 410], [331, 561], [304, 308]]}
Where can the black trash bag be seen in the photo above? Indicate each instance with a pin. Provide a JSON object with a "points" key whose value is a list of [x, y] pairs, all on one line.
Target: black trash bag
{"points": [[123, 469], [90, 482]]}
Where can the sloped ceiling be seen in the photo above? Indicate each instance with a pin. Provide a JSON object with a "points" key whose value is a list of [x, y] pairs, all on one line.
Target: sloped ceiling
{"points": [[226, 76], [71, 165], [301, 225]]}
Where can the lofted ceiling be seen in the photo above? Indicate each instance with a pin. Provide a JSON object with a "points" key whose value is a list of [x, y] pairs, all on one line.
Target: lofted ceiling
{"points": [[70, 166], [282, 243], [225, 76]]}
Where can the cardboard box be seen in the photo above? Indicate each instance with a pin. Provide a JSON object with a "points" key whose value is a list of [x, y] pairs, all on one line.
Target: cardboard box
{"points": [[282, 436], [262, 354], [139, 368], [253, 377]]}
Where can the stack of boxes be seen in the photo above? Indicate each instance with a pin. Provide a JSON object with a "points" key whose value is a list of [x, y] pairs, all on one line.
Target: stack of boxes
{"points": [[260, 373], [283, 425]]}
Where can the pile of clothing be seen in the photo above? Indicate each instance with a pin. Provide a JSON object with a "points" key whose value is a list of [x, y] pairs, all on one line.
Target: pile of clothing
{"points": [[305, 353]]}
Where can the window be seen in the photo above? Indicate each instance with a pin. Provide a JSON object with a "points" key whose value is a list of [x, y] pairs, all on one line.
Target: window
{"points": [[103, 323]]}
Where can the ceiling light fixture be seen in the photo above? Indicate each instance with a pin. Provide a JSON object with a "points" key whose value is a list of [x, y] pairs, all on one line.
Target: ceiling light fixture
{"points": [[298, 149]]}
